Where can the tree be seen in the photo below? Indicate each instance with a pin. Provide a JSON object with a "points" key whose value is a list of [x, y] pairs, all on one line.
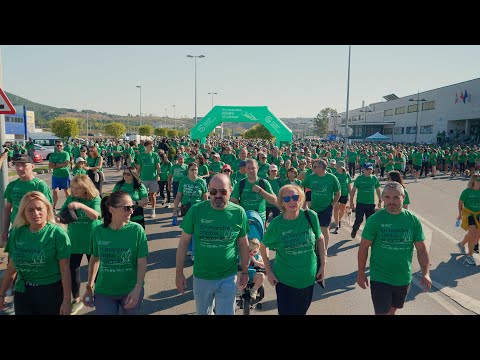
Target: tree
{"points": [[145, 130], [115, 129], [258, 132], [160, 132], [321, 121], [65, 127], [172, 133]]}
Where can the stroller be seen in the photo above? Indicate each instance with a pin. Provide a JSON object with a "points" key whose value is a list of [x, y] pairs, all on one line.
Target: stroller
{"points": [[256, 230]]}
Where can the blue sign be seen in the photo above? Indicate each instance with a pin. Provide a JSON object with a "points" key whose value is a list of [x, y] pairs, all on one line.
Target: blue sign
{"points": [[332, 137]]}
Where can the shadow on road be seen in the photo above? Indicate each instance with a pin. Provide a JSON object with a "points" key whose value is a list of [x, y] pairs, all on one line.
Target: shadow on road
{"points": [[167, 299], [337, 248], [164, 259], [335, 285]]}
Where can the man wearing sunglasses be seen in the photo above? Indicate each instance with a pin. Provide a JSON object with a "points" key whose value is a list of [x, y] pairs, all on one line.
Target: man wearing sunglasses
{"points": [[59, 161], [220, 230]]}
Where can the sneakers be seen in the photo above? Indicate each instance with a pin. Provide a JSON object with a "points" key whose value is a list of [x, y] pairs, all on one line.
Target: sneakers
{"points": [[76, 307], [253, 293], [333, 225], [462, 248], [335, 231], [354, 233], [167, 206], [189, 253], [154, 215], [469, 260], [475, 248]]}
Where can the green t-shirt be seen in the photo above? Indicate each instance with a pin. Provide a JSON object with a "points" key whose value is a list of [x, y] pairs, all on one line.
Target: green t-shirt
{"points": [[344, 179], [136, 195], [323, 190], [149, 163], [165, 170], [276, 184], [80, 231], [78, 171], [192, 190], [366, 188], [203, 170], [471, 199], [178, 172], [263, 170], [294, 243], [407, 198], [228, 158], [251, 200], [118, 251], [36, 255], [18, 188], [216, 233], [216, 166], [93, 162], [392, 239], [58, 158]]}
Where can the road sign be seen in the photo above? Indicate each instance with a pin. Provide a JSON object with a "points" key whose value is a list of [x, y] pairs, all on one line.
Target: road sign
{"points": [[6, 106]]}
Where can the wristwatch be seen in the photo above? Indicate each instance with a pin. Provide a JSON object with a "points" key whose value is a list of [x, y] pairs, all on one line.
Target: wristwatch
{"points": [[90, 287]]}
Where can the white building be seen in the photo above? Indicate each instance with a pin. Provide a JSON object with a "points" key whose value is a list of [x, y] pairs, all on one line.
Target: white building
{"points": [[454, 109]]}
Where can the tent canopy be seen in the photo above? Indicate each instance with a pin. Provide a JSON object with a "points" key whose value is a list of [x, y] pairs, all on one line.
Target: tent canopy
{"points": [[378, 136]]}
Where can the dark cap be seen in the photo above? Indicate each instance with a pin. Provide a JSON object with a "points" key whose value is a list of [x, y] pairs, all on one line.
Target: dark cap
{"points": [[242, 163], [368, 166], [22, 158]]}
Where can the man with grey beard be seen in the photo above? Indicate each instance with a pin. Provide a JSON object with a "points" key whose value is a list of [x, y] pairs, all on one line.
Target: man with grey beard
{"points": [[220, 230]]}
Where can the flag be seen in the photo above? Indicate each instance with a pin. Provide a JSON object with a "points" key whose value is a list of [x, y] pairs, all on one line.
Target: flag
{"points": [[456, 97], [461, 96], [465, 97]]}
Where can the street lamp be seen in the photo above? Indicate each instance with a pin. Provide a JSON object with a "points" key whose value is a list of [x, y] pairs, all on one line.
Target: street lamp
{"points": [[365, 111], [416, 120], [212, 93], [348, 95], [195, 58], [173, 111], [140, 87]]}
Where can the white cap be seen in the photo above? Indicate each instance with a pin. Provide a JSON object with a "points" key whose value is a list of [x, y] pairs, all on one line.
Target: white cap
{"points": [[77, 160]]}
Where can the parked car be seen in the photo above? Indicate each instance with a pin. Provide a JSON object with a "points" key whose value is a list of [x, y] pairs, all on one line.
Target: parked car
{"points": [[44, 152], [37, 158]]}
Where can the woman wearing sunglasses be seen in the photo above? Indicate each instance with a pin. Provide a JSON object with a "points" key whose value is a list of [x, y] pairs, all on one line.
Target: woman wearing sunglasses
{"points": [[120, 247], [85, 201], [295, 240], [132, 185]]}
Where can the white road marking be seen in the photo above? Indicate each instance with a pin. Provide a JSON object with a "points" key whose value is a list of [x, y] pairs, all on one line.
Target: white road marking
{"points": [[450, 308]]}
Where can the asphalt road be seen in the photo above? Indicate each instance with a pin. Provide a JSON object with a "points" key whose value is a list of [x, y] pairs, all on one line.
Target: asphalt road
{"points": [[455, 290]]}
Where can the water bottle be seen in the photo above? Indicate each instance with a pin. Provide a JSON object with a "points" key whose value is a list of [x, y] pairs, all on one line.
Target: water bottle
{"points": [[174, 220], [91, 300], [457, 223]]}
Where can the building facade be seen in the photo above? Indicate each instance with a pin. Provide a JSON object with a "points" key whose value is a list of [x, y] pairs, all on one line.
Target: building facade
{"points": [[454, 109]]}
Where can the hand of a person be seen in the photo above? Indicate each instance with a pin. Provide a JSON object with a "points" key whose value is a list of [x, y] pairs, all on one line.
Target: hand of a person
{"points": [[243, 281], [181, 283], [132, 299], [88, 293], [66, 307], [459, 217], [272, 279], [426, 282], [256, 188], [321, 273], [74, 205], [362, 280]]}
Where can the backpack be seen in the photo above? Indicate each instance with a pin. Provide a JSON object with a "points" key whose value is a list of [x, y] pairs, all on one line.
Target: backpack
{"points": [[241, 185]]}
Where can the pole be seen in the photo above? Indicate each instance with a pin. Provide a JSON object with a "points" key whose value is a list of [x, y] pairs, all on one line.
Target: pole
{"points": [[195, 58], [416, 120], [87, 123], [348, 94], [4, 169], [173, 111], [365, 113]]}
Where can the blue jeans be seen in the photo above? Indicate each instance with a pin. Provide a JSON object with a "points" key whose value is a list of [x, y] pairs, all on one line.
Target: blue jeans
{"points": [[222, 291], [111, 305]]}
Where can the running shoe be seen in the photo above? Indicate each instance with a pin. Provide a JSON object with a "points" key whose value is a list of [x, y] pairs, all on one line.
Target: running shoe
{"points": [[76, 307], [469, 260], [462, 248], [475, 248], [335, 231]]}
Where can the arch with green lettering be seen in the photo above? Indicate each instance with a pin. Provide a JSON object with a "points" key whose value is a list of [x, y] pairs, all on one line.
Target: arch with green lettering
{"points": [[253, 114]]}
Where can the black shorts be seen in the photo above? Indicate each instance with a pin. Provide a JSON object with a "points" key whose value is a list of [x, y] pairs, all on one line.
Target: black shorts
{"points": [[417, 167], [325, 216], [308, 196], [470, 165], [343, 199], [409, 162], [471, 220], [386, 296]]}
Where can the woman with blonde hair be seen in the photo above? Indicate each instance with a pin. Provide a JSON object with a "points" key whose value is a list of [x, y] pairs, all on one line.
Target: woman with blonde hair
{"points": [[297, 238], [85, 202], [40, 256]]}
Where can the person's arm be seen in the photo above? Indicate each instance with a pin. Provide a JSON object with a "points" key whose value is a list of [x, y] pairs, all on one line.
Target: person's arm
{"points": [[258, 262], [352, 195], [6, 222], [99, 165], [335, 199], [93, 265], [91, 213], [460, 210], [362, 279], [180, 280], [66, 307], [322, 252], [169, 181], [132, 299], [3, 157], [204, 196], [178, 199], [272, 279], [7, 282], [243, 249], [424, 261], [142, 202], [270, 198], [379, 195]]}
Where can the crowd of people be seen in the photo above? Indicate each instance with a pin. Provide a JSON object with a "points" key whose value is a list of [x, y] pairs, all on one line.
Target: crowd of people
{"points": [[301, 191]]}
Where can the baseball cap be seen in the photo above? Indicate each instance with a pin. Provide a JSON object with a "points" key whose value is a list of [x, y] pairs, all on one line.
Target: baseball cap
{"points": [[242, 163], [341, 164], [22, 158], [368, 166], [226, 167], [180, 156], [79, 159], [273, 167], [333, 161]]}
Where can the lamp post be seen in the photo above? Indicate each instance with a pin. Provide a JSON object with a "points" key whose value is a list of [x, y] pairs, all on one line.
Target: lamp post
{"points": [[212, 93], [195, 60], [348, 94], [418, 110], [173, 111], [365, 112], [140, 87]]}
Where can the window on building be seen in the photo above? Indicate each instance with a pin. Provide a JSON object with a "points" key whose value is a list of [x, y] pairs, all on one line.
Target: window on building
{"points": [[400, 110], [411, 129], [399, 130], [388, 112], [412, 108], [430, 105], [428, 129], [387, 131]]}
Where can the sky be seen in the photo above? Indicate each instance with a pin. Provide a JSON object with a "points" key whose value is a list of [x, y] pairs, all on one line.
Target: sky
{"points": [[291, 80]]}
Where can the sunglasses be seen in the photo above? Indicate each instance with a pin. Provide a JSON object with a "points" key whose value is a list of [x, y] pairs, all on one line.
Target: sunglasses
{"points": [[59, 145], [215, 191], [227, 171], [127, 173], [127, 208], [293, 197]]}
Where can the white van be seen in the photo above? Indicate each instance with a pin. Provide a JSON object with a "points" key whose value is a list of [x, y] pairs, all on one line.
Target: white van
{"points": [[45, 139]]}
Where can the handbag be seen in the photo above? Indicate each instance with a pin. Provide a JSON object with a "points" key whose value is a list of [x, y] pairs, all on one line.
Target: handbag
{"points": [[185, 207]]}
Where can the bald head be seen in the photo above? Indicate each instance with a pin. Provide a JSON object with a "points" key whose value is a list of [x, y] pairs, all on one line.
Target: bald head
{"points": [[220, 189]]}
